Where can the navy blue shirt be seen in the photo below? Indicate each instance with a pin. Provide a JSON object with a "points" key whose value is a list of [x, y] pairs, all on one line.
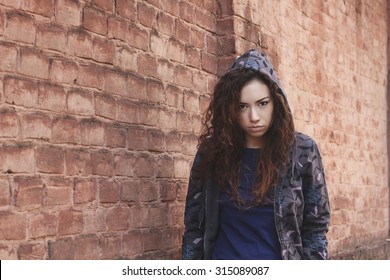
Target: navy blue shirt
{"points": [[246, 232]]}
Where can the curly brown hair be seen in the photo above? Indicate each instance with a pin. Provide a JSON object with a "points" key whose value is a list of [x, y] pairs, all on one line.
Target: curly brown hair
{"points": [[222, 141]]}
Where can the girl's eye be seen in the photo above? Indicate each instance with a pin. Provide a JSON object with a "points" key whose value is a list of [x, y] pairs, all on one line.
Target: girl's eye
{"points": [[263, 103], [242, 106]]}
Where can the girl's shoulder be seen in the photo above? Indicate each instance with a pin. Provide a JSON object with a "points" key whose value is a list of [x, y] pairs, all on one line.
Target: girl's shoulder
{"points": [[303, 141]]}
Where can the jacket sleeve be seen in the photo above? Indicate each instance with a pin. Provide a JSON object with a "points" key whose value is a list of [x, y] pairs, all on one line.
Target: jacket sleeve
{"points": [[316, 209], [192, 244]]}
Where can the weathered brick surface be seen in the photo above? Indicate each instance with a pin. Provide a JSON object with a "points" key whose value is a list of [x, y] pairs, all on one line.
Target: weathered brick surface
{"points": [[101, 104]]}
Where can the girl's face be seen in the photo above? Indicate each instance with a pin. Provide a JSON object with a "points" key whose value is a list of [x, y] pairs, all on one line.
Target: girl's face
{"points": [[255, 112]]}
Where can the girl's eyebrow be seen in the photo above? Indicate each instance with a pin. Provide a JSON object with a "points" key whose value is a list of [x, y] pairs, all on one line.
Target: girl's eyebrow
{"points": [[262, 99]]}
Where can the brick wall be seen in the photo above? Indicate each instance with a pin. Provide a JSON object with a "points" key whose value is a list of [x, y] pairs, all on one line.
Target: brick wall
{"points": [[101, 102]]}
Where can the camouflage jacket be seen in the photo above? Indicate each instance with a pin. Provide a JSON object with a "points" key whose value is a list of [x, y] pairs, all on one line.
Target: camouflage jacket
{"points": [[301, 208]]}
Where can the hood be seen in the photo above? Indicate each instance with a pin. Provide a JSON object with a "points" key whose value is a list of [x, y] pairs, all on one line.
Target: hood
{"points": [[258, 61]]}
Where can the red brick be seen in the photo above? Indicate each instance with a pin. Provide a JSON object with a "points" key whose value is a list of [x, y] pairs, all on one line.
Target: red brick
{"points": [[118, 218], [34, 64], [117, 29], [171, 237], [50, 159], [105, 106], [191, 101], [168, 190], [149, 115], [147, 65], [63, 71], [197, 38], [51, 37], [18, 158], [146, 15], [165, 167], [144, 166], [110, 247], [127, 111], [80, 102], [61, 249], [190, 142], [42, 224], [11, 3], [130, 190], [165, 70], [155, 91], [59, 192], [209, 63], [204, 102], [165, 24], [131, 244], [36, 125], [2, 22], [140, 217], [95, 220], [20, 27], [41, 7], [182, 31], [107, 5], [80, 43], [102, 163], [212, 44], [152, 240], [109, 191], [92, 132], [78, 161], [126, 9], [31, 251], [156, 140], [68, 12], [8, 54], [187, 11], [13, 226], [158, 44], [171, 7], [198, 81], [115, 82], [174, 97], [173, 142], [29, 194], [158, 217], [205, 19], [193, 57], [5, 193], [183, 76], [20, 92], [167, 120], [136, 87], [182, 168], [127, 59], [176, 51], [196, 124], [103, 50], [123, 164], [87, 248], [137, 139], [70, 222], [9, 123], [137, 37], [85, 190], [91, 76], [212, 6], [51, 97], [95, 21], [66, 130]]}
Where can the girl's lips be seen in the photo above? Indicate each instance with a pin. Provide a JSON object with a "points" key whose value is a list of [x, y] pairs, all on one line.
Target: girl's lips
{"points": [[256, 128]]}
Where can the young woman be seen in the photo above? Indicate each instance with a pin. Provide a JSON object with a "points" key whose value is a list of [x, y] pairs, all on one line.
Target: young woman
{"points": [[257, 188]]}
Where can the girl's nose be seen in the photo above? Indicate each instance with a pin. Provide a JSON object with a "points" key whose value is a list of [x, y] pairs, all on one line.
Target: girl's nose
{"points": [[254, 116]]}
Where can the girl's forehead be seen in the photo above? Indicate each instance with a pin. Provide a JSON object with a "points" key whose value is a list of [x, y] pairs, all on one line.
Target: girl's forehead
{"points": [[254, 91]]}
